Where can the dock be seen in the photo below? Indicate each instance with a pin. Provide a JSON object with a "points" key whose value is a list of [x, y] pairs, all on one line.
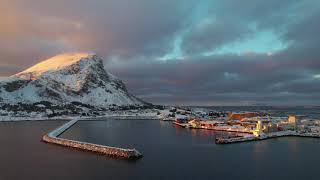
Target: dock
{"points": [[266, 136], [185, 125], [52, 137], [215, 128]]}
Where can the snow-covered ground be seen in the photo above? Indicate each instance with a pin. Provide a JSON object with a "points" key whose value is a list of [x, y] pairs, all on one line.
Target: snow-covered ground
{"points": [[56, 63], [148, 114], [66, 78], [74, 84]]}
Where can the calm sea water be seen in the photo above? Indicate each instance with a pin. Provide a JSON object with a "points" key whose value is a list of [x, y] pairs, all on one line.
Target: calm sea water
{"points": [[170, 152]]}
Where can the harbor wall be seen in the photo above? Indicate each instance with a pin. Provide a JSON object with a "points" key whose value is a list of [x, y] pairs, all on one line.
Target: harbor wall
{"points": [[52, 137], [267, 136]]}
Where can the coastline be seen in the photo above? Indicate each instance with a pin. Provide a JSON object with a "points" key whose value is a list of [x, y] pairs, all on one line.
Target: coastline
{"points": [[266, 137], [116, 116]]}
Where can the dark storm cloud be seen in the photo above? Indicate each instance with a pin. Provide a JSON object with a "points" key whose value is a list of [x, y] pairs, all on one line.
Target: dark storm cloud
{"points": [[232, 21], [134, 35], [121, 27], [213, 35], [222, 80]]}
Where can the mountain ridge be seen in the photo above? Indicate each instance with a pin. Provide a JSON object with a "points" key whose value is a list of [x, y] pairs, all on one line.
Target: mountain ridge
{"points": [[67, 78]]}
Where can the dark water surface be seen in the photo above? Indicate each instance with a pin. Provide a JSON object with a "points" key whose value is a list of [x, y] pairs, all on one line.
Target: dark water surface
{"points": [[170, 152]]}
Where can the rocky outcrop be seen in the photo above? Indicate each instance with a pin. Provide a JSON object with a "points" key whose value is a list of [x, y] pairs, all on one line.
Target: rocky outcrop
{"points": [[68, 78]]}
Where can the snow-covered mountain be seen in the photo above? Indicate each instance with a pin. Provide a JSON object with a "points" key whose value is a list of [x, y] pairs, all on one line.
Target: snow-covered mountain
{"points": [[66, 79]]}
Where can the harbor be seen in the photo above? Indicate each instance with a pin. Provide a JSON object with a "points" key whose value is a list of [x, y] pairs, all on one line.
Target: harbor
{"points": [[247, 126], [20, 141], [231, 140]]}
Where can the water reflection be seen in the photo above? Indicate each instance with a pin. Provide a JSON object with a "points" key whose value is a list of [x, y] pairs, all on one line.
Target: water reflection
{"points": [[170, 152]]}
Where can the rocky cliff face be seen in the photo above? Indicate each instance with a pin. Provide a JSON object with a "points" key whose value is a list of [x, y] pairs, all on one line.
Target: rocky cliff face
{"points": [[67, 79]]}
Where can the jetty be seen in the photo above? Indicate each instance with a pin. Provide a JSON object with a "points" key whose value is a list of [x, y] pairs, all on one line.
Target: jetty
{"points": [[185, 125], [215, 128], [53, 138], [231, 140]]}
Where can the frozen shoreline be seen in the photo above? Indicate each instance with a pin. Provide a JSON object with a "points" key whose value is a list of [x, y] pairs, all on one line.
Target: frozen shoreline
{"points": [[116, 116]]}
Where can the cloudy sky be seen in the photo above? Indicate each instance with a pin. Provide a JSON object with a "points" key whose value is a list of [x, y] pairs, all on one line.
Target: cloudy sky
{"points": [[192, 52]]}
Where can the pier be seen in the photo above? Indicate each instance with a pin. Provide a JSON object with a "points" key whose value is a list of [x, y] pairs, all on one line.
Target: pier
{"points": [[215, 128], [266, 136], [52, 137]]}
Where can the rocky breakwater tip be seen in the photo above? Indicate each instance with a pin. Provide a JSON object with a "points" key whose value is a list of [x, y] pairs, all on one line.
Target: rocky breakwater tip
{"points": [[52, 137]]}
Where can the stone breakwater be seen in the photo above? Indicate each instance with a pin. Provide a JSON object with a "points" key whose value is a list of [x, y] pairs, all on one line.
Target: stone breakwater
{"points": [[266, 136], [52, 137]]}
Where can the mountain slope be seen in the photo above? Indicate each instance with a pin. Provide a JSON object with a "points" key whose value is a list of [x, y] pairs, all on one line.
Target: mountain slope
{"points": [[67, 78]]}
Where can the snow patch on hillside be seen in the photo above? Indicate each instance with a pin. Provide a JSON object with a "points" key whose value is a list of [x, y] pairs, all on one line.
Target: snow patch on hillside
{"points": [[67, 78], [57, 63]]}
